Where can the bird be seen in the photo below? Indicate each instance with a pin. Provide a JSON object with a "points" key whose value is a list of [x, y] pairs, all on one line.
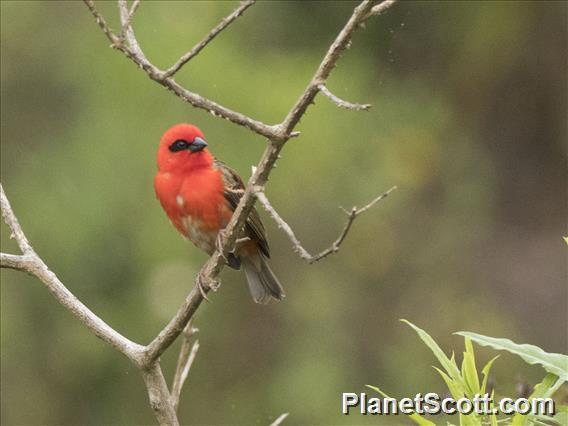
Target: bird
{"points": [[199, 195]]}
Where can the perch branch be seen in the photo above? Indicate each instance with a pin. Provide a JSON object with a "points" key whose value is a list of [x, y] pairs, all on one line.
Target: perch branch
{"points": [[340, 102], [334, 247], [159, 395], [208, 275], [225, 22], [146, 358]]}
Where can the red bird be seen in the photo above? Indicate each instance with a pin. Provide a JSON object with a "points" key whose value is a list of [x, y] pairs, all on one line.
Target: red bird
{"points": [[200, 194]]}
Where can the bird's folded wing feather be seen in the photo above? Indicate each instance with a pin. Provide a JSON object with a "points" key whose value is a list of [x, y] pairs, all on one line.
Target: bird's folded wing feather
{"points": [[234, 189]]}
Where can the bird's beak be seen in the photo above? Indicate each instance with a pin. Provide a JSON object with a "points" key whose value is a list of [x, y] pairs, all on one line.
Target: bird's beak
{"points": [[197, 145]]}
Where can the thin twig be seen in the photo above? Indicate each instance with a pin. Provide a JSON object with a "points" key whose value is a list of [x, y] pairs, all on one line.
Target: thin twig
{"points": [[128, 22], [326, 66], [107, 30], [186, 358], [128, 33], [11, 220], [340, 102], [225, 22], [189, 356], [380, 8], [279, 419], [297, 246], [334, 247]]}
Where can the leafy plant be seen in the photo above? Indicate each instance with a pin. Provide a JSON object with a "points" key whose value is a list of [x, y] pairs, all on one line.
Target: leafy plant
{"points": [[465, 381]]}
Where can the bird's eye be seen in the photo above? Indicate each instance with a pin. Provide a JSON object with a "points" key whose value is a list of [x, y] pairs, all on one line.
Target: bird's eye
{"points": [[179, 145]]}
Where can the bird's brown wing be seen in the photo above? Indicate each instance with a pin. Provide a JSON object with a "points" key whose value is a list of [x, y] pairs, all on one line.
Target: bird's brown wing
{"points": [[234, 189]]}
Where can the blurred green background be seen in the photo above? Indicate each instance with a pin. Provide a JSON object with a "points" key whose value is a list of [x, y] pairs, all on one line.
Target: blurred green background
{"points": [[468, 119]]}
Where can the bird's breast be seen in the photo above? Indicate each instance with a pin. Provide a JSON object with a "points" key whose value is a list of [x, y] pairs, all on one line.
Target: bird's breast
{"points": [[195, 204]]}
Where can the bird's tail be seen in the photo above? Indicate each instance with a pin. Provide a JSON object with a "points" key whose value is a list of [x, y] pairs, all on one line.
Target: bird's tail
{"points": [[262, 282]]}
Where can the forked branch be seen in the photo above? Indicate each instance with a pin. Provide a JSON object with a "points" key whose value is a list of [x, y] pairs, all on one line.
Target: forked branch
{"points": [[32, 264], [146, 358], [334, 247], [187, 355], [280, 135], [228, 20]]}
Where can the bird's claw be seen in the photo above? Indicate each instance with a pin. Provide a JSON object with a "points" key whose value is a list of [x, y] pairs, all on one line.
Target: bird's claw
{"points": [[219, 244], [202, 286]]}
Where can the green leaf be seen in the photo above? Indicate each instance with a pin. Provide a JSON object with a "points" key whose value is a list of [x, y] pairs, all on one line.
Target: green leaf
{"points": [[492, 416], [485, 373], [544, 389], [415, 417], [456, 391], [547, 420], [561, 418], [448, 365], [553, 363], [469, 370]]}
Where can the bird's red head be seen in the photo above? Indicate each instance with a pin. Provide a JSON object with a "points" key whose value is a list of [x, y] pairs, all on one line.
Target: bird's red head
{"points": [[183, 148]]}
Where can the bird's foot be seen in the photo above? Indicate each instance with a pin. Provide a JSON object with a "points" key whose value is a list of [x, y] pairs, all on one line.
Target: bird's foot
{"points": [[203, 286], [219, 244]]}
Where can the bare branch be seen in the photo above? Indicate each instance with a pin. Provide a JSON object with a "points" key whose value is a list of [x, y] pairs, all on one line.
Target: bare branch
{"points": [[340, 102], [214, 108], [13, 261], [128, 33], [102, 23], [190, 356], [324, 70], [279, 133], [32, 264], [279, 419], [186, 357], [380, 8], [298, 248], [128, 22], [11, 220], [225, 22], [36, 267], [209, 273], [159, 395], [334, 247], [134, 53], [147, 358], [133, 8]]}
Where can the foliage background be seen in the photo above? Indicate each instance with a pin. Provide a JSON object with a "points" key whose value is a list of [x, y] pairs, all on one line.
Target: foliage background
{"points": [[468, 120]]}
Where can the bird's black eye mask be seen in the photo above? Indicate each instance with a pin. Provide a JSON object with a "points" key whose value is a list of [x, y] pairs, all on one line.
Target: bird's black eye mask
{"points": [[179, 145], [197, 145]]}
